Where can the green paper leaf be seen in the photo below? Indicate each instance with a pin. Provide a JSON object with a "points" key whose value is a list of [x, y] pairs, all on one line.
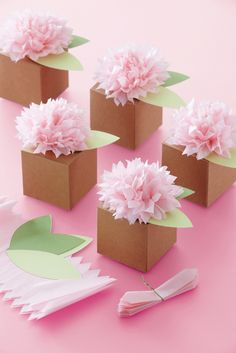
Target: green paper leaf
{"points": [[175, 219], [43, 264], [77, 41], [163, 98], [63, 61], [223, 161], [175, 77], [99, 139], [82, 242], [187, 192], [36, 235]]}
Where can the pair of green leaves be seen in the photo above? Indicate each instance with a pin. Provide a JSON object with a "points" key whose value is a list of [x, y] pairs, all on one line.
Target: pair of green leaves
{"points": [[36, 250], [176, 218], [164, 97], [65, 60]]}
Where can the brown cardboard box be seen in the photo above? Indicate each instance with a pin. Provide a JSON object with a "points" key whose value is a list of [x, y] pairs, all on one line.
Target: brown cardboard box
{"points": [[133, 123], [207, 179], [25, 82], [61, 181], [138, 246]]}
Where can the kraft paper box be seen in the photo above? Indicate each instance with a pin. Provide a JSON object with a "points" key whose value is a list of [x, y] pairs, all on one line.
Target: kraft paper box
{"points": [[207, 179], [26, 81], [61, 181], [138, 246], [133, 122]]}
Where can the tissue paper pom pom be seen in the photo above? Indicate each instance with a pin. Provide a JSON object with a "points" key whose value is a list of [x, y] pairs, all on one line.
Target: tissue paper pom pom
{"points": [[56, 126], [131, 72], [204, 128], [139, 191], [34, 35]]}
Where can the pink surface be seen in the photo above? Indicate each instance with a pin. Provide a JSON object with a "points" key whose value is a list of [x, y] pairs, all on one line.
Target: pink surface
{"points": [[197, 37]]}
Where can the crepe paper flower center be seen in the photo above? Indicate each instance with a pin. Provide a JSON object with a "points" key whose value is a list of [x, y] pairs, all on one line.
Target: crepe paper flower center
{"points": [[57, 126], [204, 128], [131, 72], [34, 35], [139, 191]]}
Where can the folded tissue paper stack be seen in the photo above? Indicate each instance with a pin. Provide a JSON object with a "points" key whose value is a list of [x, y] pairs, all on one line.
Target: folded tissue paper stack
{"points": [[133, 302]]}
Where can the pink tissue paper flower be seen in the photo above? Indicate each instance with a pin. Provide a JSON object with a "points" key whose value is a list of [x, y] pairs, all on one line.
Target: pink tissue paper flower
{"points": [[131, 72], [57, 126], [34, 35], [139, 191], [204, 128]]}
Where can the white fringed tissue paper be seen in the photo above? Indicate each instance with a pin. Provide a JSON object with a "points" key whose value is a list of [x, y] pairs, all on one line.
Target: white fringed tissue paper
{"points": [[39, 297], [38, 273]]}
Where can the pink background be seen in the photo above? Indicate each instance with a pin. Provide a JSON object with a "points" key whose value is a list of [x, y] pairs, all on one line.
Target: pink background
{"points": [[198, 38]]}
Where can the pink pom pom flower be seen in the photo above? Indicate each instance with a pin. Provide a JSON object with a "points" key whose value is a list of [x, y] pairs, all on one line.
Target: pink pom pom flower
{"points": [[204, 128], [139, 191], [34, 35], [56, 126], [131, 72]]}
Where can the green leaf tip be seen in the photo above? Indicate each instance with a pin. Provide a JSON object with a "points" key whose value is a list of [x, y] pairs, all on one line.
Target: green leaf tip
{"points": [[175, 77], [77, 41], [99, 139], [186, 192]]}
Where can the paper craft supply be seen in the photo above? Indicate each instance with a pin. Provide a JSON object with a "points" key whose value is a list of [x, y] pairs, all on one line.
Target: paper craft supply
{"points": [[133, 123], [201, 149], [34, 249], [39, 297], [205, 129], [128, 98], [208, 179], [59, 152], [139, 213], [133, 302], [38, 272], [122, 73], [35, 57]]}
